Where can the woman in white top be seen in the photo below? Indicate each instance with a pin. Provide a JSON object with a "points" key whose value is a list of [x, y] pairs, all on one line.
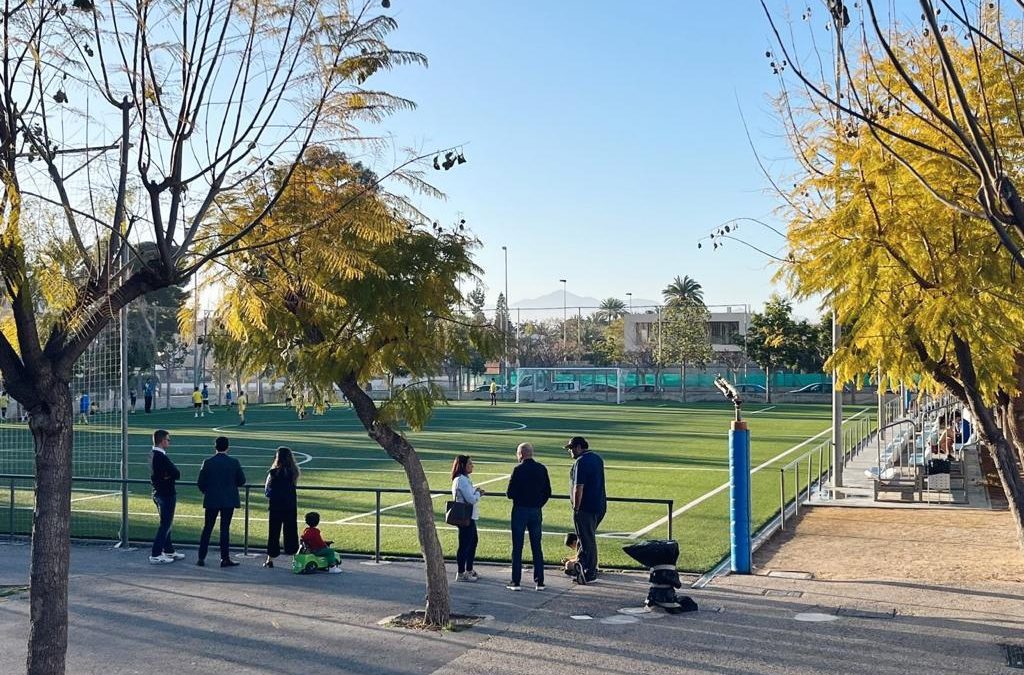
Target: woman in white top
{"points": [[463, 491]]}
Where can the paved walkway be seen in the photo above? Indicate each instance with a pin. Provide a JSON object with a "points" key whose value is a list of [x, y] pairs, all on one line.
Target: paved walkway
{"points": [[130, 617]]}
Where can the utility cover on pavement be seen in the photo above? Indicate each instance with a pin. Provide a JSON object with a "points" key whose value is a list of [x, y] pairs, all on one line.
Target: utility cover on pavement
{"points": [[771, 592], [620, 619], [1014, 655], [815, 617]]}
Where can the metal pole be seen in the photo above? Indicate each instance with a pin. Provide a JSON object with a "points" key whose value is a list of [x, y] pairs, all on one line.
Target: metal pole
{"points": [[563, 311], [195, 334], [796, 487], [123, 320], [837, 409], [504, 321], [245, 538], [670, 510], [376, 540], [782, 498], [10, 515]]}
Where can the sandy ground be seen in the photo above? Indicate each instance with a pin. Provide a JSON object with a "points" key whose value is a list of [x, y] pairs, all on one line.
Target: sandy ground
{"points": [[928, 545]]}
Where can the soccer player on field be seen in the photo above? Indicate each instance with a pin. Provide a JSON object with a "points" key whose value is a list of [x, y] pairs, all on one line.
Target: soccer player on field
{"points": [[243, 403]]}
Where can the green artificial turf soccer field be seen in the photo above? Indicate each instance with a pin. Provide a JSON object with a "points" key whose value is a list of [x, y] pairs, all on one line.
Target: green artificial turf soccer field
{"points": [[651, 450]]}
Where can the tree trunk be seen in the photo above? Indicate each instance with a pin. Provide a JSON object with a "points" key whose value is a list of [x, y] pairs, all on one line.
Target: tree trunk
{"points": [[1004, 459], [767, 385], [1015, 412], [438, 609], [682, 380], [52, 432]]}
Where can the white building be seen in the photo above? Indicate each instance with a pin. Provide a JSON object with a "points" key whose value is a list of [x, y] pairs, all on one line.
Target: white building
{"points": [[726, 321]]}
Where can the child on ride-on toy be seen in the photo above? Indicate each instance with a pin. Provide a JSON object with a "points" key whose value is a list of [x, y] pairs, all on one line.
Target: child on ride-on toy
{"points": [[314, 543]]}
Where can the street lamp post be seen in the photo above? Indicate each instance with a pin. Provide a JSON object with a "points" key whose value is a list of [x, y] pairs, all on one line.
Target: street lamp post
{"points": [[630, 296], [563, 311], [504, 321]]}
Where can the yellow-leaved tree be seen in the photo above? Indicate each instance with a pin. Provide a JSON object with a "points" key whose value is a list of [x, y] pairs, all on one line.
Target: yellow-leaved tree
{"points": [[885, 225], [345, 285]]}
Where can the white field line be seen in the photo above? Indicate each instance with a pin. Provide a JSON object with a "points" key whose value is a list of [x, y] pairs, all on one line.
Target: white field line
{"points": [[771, 407], [724, 486], [396, 506], [99, 496]]}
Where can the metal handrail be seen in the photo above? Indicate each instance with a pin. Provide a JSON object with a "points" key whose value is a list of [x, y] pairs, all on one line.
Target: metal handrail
{"points": [[378, 491]]}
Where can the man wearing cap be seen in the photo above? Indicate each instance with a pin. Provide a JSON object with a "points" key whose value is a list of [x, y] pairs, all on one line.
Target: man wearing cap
{"points": [[589, 504]]}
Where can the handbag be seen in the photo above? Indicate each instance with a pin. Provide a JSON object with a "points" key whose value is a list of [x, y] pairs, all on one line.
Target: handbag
{"points": [[459, 514]]}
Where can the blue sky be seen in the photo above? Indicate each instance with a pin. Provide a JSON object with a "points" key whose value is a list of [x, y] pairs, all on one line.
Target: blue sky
{"points": [[604, 139]]}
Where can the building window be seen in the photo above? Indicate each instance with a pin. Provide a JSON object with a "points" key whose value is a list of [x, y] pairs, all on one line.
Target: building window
{"points": [[722, 331]]}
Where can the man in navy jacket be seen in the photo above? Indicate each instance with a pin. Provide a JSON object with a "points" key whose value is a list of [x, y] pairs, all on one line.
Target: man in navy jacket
{"points": [[529, 488], [219, 480]]}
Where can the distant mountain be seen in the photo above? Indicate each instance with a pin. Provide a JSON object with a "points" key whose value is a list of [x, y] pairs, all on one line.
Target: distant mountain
{"points": [[550, 306]]}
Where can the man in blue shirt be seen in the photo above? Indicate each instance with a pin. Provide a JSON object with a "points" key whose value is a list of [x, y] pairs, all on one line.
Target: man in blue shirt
{"points": [[589, 504]]}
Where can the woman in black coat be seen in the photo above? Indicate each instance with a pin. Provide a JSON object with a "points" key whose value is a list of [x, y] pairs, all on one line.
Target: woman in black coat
{"points": [[280, 490]]}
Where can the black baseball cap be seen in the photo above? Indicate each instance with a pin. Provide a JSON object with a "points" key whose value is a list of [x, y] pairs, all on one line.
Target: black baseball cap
{"points": [[577, 442]]}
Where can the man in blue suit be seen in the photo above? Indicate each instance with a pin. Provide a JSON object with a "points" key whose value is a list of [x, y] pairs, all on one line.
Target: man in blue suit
{"points": [[219, 480]]}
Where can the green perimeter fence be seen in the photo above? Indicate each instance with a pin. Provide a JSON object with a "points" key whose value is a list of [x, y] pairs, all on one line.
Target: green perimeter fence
{"points": [[97, 515]]}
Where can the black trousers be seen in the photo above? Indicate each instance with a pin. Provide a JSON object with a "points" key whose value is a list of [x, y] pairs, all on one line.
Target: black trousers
{"points": [[467, 547], [225, 532], [586, 529], [282, 518], [149, 403], [527, 519]]}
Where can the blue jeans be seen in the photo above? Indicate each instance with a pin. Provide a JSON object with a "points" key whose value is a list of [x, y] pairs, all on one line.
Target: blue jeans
{"points": [[527, 518], [165, 507]]}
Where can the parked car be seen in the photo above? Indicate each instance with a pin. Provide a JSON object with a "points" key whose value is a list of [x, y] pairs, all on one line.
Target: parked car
{"points": [[487, 387], [599, 387], [643, 389], [815, 388], [750, 388]]}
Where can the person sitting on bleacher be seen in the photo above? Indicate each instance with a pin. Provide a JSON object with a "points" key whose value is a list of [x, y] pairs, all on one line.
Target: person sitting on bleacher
{"points": [[961, 427]]}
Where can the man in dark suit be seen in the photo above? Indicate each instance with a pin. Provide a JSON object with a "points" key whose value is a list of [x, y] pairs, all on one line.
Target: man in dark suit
{"points": [[529, 488], [163, 474], [219, 480]]}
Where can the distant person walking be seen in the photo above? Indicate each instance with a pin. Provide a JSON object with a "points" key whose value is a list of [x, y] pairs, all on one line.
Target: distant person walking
{"points": [[197, 402], [147, 395], [162, 475], [529, 488], [280, 491], [83, 408], [131, 399], [494, 392], [243, 403], [219, 480], [463, 491], [589, 504], [229, 397]]}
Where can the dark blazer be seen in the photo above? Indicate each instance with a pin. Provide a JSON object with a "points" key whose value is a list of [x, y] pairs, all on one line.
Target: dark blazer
{"points": [[219, 480], [529, 485], [282, 490]]}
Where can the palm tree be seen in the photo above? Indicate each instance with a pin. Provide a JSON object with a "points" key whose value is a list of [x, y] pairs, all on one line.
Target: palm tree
{"points": [[683, 292], [609, 310]]}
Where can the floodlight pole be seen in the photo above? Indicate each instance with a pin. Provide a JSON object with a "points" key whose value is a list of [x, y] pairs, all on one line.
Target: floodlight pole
{"points": [[837, 411], [504, 321], [563, 281]]}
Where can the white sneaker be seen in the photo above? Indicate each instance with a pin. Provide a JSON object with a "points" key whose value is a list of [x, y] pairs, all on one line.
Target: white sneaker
{"points": [[334, 570], [160, 560], [175, 556]]}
